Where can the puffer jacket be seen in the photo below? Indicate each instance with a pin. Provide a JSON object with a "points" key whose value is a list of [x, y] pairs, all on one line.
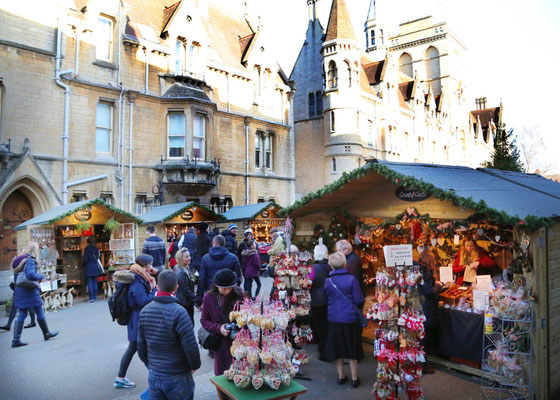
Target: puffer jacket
{"points": [[89, 261], [251, 263], [28, 297], [217, 258], [341, 308], [139, 294], [166, 340], [231, 242]]}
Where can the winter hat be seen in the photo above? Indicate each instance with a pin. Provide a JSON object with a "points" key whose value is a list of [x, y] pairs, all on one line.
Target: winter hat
{"points": [[225, 278], [232, 226], [248, 230]]}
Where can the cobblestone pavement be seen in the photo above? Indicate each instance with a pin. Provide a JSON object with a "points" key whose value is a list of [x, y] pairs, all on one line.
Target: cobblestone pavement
{"points": [[83, 360]]}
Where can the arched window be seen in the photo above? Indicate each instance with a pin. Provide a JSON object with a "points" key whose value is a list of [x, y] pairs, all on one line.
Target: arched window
{"points": [[333, 75], [333, 126], [334, 164], [405, 64], [349, 73], [432, 69]]}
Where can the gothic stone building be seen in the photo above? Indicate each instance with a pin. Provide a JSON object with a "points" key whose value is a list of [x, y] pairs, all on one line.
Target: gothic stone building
{"points": [[402, 99], [121, 99]]}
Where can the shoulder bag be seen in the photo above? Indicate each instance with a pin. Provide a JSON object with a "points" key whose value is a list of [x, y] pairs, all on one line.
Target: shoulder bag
{"points": [[23, 281], [361, 319], [208, 340]]}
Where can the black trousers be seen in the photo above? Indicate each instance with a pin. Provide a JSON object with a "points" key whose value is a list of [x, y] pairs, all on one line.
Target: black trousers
{"points": [[321, 326]]}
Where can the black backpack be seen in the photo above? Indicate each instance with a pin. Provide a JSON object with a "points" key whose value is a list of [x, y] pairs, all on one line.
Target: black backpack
{"points": [[118, 305]]}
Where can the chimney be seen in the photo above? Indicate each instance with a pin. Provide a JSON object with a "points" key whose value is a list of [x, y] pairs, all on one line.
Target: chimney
{"points": [[480, 103]]}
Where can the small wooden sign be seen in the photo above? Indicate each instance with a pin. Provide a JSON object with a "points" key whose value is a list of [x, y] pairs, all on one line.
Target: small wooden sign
{"points": [[411, 195], [187, 215], [83, 215], [265, 214]]}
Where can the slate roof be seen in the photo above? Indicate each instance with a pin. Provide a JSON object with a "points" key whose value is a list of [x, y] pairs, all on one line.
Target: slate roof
{"points": [[164, 213], [180, 91], [61, 211], [248, 211], [516, 194], [374, 70], [340, 25]]}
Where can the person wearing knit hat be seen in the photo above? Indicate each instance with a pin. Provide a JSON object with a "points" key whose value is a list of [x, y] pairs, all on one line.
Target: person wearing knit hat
{"points": [[231, 241], [231, 227], [225, 278]]}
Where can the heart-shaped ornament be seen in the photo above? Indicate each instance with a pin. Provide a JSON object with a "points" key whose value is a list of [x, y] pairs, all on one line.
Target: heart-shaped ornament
{"points": [[420, 249], [480, 231], [410, 210], [433, 241], [498, 238], [441, 241], [398, 226]]}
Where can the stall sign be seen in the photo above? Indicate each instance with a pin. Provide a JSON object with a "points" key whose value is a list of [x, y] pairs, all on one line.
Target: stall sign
{"points": [[83, 215], [411, 195], [187, 215], [398, 255], [265, 214]]}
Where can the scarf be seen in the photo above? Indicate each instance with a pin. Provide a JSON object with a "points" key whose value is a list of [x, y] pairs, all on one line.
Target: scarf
{"points": [[19, 262], [138, 270]]}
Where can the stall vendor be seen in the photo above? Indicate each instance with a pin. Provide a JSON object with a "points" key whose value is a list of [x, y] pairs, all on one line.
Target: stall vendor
{"points": [[473, 256]]}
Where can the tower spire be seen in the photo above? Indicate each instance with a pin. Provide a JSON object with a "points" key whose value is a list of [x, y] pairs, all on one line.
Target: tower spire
{"points": [[312, 4], [340, 26], [372, 8]]}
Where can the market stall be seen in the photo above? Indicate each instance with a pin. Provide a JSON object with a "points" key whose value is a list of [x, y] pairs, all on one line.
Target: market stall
{"points": [[434, 209], [62, 233], [172, 220], [260, 217]]}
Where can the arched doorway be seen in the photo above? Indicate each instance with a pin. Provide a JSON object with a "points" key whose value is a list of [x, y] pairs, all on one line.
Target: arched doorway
{"points": [[16, 209]]}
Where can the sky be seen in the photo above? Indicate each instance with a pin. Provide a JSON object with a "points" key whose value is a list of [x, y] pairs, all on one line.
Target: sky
{"points": [[512, 50]]}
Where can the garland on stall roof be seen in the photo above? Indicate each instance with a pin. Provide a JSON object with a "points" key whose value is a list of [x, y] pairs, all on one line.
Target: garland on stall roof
{"points": [[89, 204], [218, 217], [482, 210]]}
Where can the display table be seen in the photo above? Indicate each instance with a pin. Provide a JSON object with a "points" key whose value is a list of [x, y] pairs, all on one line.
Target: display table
{"points": [[227, 389], [460, 334]]}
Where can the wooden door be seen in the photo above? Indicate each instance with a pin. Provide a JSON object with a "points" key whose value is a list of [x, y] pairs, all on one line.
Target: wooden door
{"points": [[16, 209]]}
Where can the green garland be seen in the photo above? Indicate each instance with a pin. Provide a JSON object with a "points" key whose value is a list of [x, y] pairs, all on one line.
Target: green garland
{"points": [[89, 204], [500, 217], [219, 217]]}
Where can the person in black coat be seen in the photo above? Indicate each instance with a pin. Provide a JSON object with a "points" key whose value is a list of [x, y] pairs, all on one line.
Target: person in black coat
{"points": [[202, 245], [229, 234], [167, 344], [353, 262], [185, 292], [90, 262], [319, 304]]}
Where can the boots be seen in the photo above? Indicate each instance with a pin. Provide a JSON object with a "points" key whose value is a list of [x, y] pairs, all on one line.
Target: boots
{"points": [[46, 334], [30, 325], [18, 327]]}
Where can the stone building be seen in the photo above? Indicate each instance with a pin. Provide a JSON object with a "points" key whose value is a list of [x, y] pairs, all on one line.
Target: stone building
{"points": [[127, 99], [403, 98]]}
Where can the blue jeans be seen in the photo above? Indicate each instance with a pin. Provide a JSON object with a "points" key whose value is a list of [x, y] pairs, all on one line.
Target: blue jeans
{"points": [[170, 387], [92, 287], [38, 310]]}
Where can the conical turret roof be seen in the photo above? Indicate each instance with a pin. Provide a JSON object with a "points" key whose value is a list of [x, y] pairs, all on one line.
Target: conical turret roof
{"points": [[340, 26]]}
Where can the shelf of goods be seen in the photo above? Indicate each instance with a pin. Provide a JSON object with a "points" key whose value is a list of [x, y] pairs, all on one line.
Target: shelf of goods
{"points": [[122, 244], [262, 352], [401, 327], [508, 343]]}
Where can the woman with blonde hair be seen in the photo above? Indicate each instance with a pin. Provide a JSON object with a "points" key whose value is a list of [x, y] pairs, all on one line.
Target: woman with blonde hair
{"points": [[472, 255], [26, 295], [345, 299], [185, 291]]}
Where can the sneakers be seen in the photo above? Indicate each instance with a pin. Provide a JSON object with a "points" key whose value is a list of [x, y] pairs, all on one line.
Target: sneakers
{"points": [[124, 383], [91, 301]]}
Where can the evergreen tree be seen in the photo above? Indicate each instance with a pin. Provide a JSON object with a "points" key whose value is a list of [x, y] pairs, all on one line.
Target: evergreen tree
{"points": [[505, 155]]}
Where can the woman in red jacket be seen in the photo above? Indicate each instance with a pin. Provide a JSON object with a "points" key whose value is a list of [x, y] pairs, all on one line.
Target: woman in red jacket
{"points": [[473, 255]]}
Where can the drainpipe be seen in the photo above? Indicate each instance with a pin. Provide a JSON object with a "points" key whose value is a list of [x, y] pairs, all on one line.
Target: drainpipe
{"points": [[246, 160], [87, 180], [227, 91], [120, 144], [76, 52], [65, 136], [147, 70], [130, 149]]}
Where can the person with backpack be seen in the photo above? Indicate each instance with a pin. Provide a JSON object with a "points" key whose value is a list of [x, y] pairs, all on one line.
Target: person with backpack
{"points": [[202, 245], [188, 240], [155, 246], [141, 290], [26, 295], [166, 343]]}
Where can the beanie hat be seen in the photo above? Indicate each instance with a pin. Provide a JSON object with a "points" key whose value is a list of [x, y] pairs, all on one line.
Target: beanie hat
{"points": [[225, 278], [248, 230], [232, 226]]}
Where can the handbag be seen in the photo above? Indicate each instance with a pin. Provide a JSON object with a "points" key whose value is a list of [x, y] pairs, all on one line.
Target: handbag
{"points": [[23, 281], [100, 266], [363, 321], [208, 340]]}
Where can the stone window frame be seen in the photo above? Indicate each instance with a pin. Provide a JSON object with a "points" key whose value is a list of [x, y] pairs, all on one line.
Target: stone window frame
{"points": [[109, 129], [99, 38], [171, 111]]}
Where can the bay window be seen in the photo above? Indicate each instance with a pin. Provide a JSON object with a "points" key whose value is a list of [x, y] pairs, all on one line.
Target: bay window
{"points": [[176, 134]]}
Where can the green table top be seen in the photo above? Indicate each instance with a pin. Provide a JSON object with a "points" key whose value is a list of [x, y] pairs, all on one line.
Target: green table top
{"points": [[264, 393]]}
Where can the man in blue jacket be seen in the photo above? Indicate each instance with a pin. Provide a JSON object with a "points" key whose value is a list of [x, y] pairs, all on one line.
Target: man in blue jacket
{"points": [[167, 345], [217, 258], [155, 247]]}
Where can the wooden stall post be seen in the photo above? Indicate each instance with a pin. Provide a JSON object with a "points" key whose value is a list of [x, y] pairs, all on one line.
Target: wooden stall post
{"points": [[550, 377]]}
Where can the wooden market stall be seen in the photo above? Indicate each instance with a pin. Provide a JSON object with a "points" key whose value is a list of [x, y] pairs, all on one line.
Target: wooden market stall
{"points": [[514, 216], [62, 233], [172, 220], [260, 217]]}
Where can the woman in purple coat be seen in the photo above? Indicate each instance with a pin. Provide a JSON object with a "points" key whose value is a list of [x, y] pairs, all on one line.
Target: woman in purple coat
{"points": [[345, 299], [251, 268], [216, 306]]}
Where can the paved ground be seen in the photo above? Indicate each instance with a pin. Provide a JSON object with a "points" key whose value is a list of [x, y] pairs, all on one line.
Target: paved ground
{"points": [[83, 360]]}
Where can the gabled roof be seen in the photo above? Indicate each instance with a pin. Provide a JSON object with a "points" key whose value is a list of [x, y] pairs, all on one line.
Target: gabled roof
{"points": [[248, 211], [169, 211], [509, 198], [406, 89], [168, 14], [487, 115], [375, 71], [340, 25], [61, 212]]}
